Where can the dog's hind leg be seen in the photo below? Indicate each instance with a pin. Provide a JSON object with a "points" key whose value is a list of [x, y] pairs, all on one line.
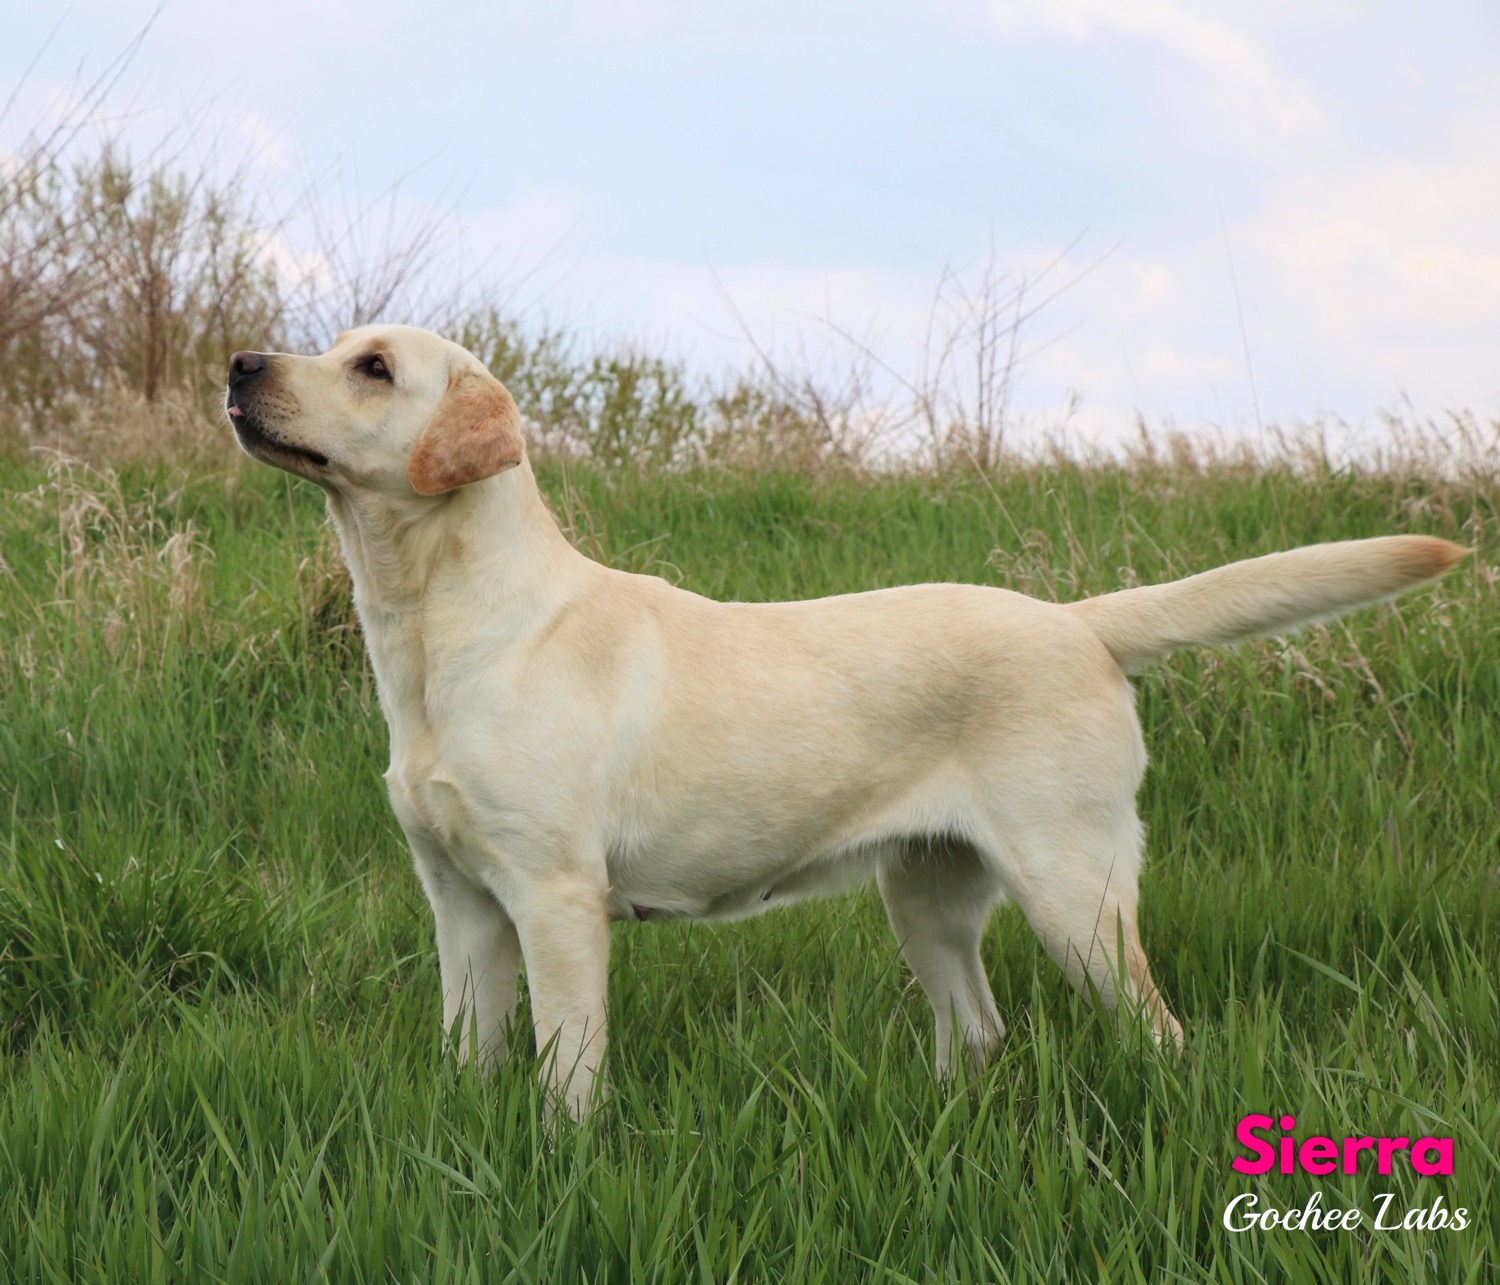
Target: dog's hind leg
{"points": [[1075, 878], [938, 898]]}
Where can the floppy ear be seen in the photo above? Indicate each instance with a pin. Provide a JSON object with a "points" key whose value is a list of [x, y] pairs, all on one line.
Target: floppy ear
{"points": [[474, 434]]}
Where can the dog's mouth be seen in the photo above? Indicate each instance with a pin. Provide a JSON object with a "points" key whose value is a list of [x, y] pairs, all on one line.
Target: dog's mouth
{"points": [[258, 441]]}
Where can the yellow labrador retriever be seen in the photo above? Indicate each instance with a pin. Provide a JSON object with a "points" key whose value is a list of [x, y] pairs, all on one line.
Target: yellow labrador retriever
{"points": [[572, 744]]}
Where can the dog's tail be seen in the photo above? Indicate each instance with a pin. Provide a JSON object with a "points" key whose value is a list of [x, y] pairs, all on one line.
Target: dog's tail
{"points": [[1267, 595]]}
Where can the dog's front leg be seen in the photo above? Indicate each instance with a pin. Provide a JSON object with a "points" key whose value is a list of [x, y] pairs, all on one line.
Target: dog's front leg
{"points": [[479, 953], [564, 929]]}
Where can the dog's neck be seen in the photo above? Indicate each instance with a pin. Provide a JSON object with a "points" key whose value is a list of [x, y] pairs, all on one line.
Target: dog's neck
{"points": [[494, 540]]}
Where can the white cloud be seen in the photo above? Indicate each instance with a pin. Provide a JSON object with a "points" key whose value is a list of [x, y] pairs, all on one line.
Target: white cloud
{"points": [[617, 17], [1366, 269], [1257, 103]]}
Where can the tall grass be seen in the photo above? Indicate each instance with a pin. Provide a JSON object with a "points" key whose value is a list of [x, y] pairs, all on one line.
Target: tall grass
{"points": [[219, 1045]]}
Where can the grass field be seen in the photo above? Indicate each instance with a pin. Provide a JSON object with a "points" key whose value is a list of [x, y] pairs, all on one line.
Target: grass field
{"points": [[219, 1048]]}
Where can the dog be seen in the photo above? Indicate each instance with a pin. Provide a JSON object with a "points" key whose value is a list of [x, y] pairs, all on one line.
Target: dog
{"points": [[571, 745]]}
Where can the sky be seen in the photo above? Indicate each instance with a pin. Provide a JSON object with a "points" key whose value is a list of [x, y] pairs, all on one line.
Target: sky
{"points": [[1233, 215]]}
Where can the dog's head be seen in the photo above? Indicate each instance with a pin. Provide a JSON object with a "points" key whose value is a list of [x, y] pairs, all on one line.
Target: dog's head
{"points": [[388, 409]]}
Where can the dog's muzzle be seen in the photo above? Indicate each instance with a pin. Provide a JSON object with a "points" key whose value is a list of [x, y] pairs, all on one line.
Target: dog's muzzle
{"points": [[247, 372]]}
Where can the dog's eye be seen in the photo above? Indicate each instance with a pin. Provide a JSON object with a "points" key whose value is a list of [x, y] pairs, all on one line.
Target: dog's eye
{"points": [[375, 367]]}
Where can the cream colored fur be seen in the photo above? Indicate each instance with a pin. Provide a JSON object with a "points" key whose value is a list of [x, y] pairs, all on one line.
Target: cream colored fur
{"points": [[571, 745]]}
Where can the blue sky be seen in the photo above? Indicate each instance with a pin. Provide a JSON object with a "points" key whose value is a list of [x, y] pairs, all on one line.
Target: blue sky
{"points": [[827, 162]]}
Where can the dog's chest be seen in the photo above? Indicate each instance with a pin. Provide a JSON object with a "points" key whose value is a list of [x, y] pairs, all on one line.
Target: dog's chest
{"points": [[419, 794]]}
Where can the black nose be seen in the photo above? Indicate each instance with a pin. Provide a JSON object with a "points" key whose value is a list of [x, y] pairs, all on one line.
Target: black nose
{"points": [[245, 364]]}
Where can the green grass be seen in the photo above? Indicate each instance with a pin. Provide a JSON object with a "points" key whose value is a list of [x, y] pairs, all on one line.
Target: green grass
{"points": [[219, 1046]]}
